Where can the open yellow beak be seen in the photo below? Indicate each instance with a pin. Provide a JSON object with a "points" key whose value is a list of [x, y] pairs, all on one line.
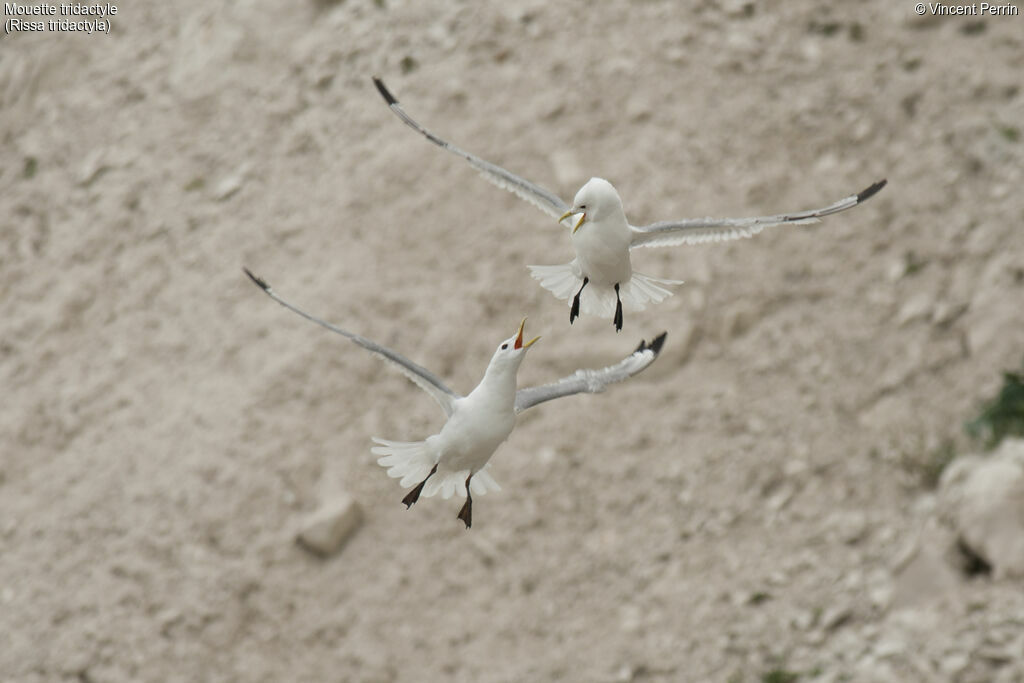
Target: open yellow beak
{"points": [[519, 338], [573, 212]]}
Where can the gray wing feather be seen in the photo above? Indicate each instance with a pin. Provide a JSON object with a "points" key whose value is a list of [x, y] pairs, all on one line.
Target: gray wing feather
{"points": [[701, 230], [420, 376], [592, 381], [543, 199]]}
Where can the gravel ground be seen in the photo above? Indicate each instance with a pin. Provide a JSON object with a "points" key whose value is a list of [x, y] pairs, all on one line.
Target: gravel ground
{"points": [[758, 506]]}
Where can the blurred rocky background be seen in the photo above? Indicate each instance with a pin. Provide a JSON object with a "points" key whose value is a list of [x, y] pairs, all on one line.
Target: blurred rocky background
{"points": [[790, 494]]}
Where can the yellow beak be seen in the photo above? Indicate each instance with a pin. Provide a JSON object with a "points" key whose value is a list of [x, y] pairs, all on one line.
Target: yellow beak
{"points": [[519, 338], [573, 212]]}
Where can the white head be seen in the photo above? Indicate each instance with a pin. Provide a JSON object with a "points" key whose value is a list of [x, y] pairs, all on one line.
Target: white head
{"points": [[510, 353], [595, 201]]}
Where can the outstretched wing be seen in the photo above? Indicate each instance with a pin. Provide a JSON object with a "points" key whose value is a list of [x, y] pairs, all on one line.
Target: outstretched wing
{"points": [[700, 230], [422, 377], [543, 199], [592, 381]]}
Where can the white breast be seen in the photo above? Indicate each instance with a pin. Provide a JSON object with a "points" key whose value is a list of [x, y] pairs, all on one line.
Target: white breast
{"points": [[602, 250], [475, 430]]}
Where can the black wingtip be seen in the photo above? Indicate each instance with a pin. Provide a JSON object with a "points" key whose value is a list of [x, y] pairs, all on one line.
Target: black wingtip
{"points": [[654, 346], [658, 343], [871, 191], [260, 282], [384, 92]]}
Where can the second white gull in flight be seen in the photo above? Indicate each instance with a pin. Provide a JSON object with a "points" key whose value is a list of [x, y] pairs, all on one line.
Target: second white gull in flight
{"points": [[601, 281], [456, 459]]}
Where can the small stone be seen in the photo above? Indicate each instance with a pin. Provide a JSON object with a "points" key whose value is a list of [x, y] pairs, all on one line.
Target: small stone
{"points": [[803, 621], [737, 8], [638, 110], [896, 269], [737, 320], [231, 183], [916, 307], [675, 55], [999, 191], [999, 656], [953, 664], [880, 588], [811, 50], [168, 619], [168, 616], [816, 638], [889, 647], [850, 526], [880, 595], [862, 130], [781, 498], [835, 616], [826, 163], [326, 530], [93, 167], [626, 673], [945, 313]]}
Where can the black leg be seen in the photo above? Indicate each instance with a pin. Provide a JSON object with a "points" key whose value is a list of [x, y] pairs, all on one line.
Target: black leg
{"points": [[574, 312], [466, 514], [618, 309], [414, 495]]}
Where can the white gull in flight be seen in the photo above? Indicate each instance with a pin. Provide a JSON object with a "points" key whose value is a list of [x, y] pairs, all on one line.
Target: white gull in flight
{"points": [[601, 281], [456, 459]]}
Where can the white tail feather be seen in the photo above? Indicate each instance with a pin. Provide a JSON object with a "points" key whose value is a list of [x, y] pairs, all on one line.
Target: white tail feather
{"points": [[409, 460], [412, 461], [565, 280]]}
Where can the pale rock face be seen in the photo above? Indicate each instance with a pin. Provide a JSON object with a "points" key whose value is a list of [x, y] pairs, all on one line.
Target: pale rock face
{"points": [[983, 497]]}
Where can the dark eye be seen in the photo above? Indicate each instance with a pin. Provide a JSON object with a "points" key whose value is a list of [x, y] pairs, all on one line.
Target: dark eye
{"points": [[583, 206], [504, 346]]}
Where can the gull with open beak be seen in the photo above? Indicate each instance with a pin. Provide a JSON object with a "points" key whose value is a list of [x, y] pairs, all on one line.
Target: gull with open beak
{"points": [[600, 280], [456, 459]]}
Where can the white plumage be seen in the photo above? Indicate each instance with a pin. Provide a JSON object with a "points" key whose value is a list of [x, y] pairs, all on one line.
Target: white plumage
{"points": [[600, 280], [455, 461]]}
